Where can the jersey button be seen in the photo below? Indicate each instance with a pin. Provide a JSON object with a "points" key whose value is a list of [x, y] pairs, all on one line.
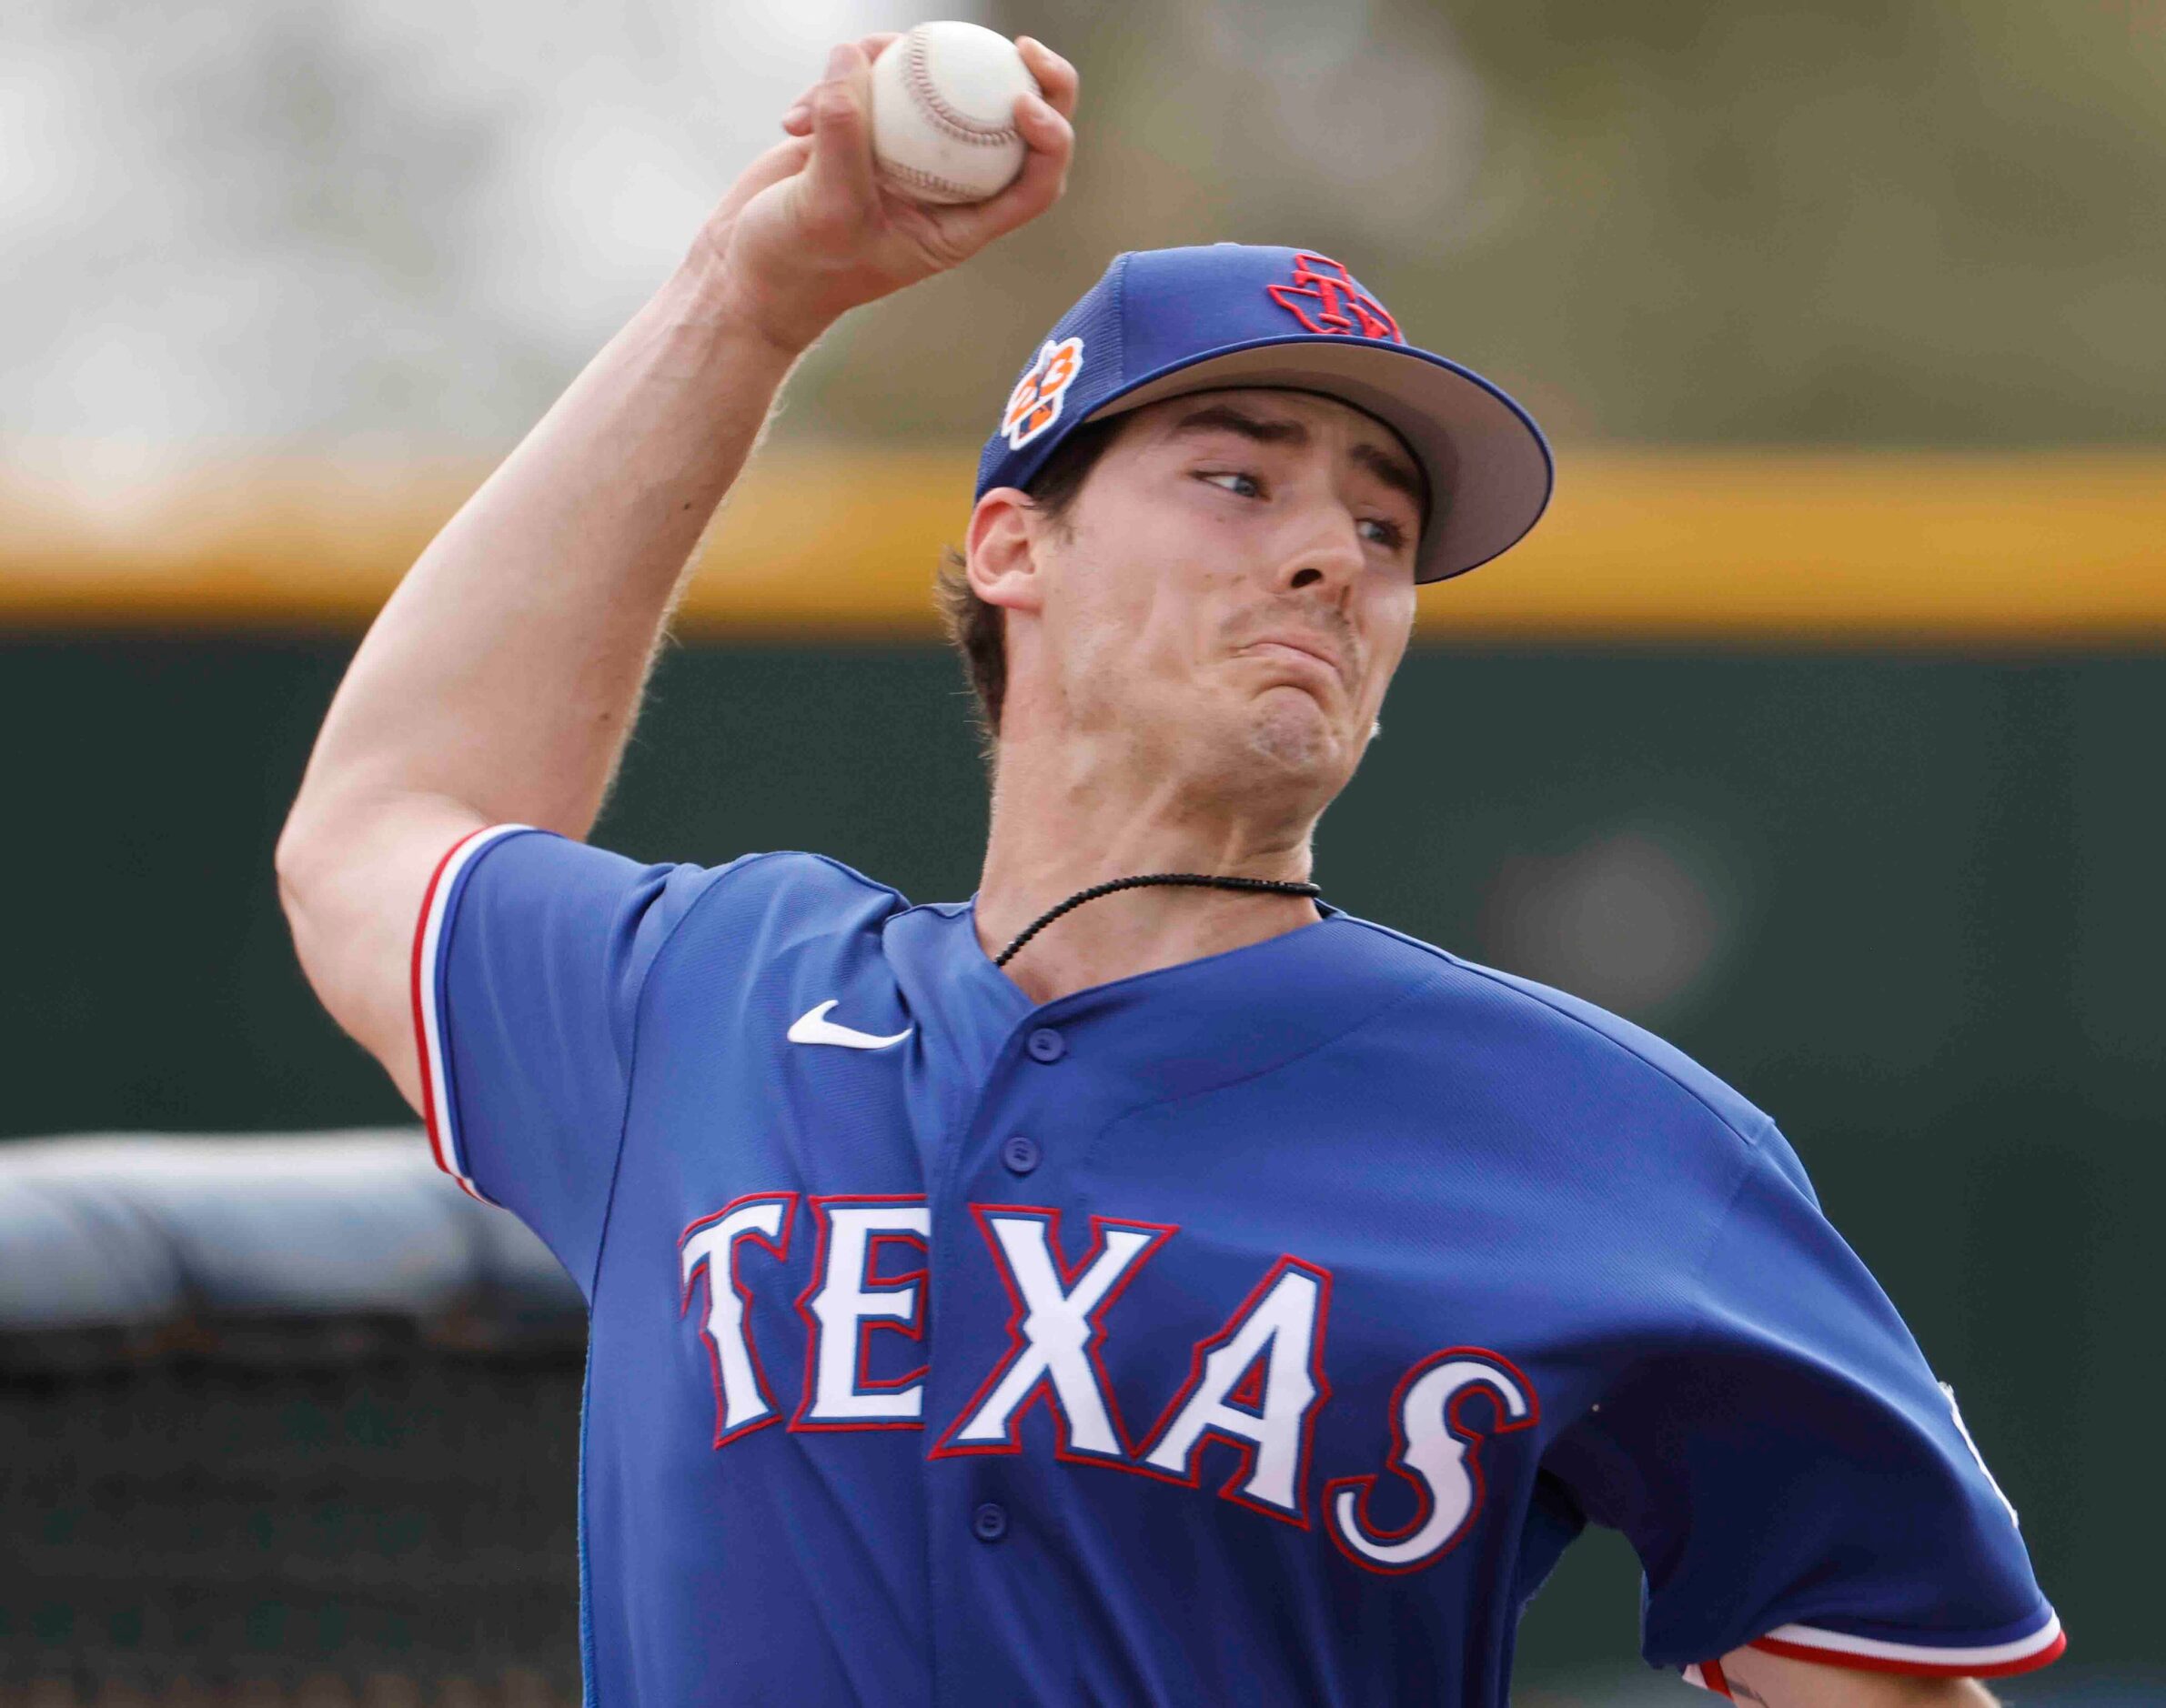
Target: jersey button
{"points": [[989, 1522], [1047, 1045], [1020, 1154]]}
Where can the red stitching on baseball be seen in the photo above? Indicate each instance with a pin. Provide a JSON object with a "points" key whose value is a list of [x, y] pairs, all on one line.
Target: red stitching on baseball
{"points": [[912, 179], [916, 68]]}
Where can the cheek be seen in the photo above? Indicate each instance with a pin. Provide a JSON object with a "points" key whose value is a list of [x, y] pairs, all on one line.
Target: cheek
{"points": [[1387, 627], [1107, 622], [1140, 599]]}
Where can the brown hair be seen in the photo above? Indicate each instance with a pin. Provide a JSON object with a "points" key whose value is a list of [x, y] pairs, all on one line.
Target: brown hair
{"points": [[977, 630]]}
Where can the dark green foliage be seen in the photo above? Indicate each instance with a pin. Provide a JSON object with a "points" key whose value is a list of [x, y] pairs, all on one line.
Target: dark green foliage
{"points": [[1878, 221]]}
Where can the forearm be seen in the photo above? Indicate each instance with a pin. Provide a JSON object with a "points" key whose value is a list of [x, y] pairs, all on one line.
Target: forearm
{"points": [[506, 669], [1772, 1681], [501, 680]]}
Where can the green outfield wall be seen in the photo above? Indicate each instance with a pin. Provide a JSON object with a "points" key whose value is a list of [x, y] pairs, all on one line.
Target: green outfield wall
{"points": [[1911, 907]]}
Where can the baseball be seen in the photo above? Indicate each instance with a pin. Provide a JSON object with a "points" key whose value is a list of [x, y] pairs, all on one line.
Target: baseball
{"points": [[944, 113]]}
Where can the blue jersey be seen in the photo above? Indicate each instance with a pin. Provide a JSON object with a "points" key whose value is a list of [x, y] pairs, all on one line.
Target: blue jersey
{"points": [[1260, 1329]]}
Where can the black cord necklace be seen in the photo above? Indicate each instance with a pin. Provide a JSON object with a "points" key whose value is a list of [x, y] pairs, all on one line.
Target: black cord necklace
{"points": [[1189, 880]]}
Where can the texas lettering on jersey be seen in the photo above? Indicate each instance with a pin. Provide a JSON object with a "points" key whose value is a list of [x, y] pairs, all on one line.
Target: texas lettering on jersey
{"points": [[1255, 1384]]}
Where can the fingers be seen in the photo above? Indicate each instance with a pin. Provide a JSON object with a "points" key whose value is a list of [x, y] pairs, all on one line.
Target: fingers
{"points": [[840, 178], [798, 119], [1057, 79], [774, 165], [784, 160], [1052, 142], [832, 122], [1044, 128]]}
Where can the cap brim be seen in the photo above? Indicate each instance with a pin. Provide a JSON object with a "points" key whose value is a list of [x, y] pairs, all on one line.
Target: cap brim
{"points": [[1481, 451]]}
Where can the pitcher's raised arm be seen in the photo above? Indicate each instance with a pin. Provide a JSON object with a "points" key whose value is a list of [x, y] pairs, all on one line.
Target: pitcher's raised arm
{"points": [[502, 680]]}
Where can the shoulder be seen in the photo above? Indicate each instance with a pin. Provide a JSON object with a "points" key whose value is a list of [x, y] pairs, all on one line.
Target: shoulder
{"points": [[766, 902], [812, 880], [1552, 1046], [515, 884], [538, 868]]}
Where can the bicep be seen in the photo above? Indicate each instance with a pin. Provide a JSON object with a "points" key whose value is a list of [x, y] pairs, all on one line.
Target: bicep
{"points": [[353, 895]]}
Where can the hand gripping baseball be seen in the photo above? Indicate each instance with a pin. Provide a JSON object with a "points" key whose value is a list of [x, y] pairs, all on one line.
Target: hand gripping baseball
{"points": [[808, 232]]}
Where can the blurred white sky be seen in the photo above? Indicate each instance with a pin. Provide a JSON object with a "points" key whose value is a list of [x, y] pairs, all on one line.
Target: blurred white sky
{"points": [[330, 223], [383, 227]]}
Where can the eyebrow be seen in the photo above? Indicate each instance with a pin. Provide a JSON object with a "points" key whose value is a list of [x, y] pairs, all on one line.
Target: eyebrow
{"points": [[1224, 418]]}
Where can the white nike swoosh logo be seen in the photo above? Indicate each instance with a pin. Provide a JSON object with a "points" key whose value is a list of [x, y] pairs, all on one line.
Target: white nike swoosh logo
{"points": [[813, 1027]]}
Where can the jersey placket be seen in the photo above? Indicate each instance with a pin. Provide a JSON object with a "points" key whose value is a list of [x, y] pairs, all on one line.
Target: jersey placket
{"points": [[996, 1635]]}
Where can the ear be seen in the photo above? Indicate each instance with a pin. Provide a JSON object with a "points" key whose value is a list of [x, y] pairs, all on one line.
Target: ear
{"points": [[1000, 551]]}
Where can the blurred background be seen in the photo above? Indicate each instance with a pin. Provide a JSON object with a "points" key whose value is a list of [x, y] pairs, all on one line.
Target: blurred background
{"points": [[1819, 727]]}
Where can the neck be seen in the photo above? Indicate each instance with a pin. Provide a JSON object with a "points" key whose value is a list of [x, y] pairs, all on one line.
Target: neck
{"points": [[1056, 830]]}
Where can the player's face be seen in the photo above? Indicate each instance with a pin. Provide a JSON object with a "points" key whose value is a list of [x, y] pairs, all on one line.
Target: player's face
{"points": [[1236, 586]]}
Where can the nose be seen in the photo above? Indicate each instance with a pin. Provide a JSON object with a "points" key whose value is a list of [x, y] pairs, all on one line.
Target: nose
{"points": [[1325, 556]]}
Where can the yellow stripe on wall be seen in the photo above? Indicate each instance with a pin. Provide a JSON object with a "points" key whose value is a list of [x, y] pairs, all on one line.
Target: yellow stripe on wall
{"points": [[2045, 551], [2051, 549]]}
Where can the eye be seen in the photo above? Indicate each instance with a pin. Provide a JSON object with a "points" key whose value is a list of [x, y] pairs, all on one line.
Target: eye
{"points": [[1379, 531], [1242, 486]]}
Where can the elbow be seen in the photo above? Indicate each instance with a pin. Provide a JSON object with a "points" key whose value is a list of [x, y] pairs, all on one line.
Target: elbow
{"points": [[294, 861], [325, 832], [315, 865], [297, 867]]}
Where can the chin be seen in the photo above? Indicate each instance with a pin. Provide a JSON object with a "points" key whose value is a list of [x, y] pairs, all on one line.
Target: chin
{"points": [[1292, 736]]}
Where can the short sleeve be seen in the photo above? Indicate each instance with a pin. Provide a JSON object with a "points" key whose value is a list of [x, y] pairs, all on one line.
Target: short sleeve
{"points": [[528, 959], [1792, 1475]]}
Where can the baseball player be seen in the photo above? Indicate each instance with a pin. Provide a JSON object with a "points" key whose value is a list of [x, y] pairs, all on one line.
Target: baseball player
{"points": [[1142, 1283]]}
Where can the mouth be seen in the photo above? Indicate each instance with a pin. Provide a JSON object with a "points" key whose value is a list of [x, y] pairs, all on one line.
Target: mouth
{"points": [[1305, 647]]}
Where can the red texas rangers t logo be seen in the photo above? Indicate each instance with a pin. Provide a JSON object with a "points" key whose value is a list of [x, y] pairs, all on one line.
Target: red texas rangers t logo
{"points": [[1325, 298], [1255, 1384]]}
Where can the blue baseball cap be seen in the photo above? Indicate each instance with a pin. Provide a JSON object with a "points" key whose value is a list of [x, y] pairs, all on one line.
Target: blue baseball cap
{"points": [[1164, 323]]}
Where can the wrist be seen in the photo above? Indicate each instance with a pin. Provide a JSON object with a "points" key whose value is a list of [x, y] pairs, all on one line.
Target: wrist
{"points": [[713, 292]]}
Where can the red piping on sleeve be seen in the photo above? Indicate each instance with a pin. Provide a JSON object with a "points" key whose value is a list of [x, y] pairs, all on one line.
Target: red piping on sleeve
{"points": [[2044, 1656], [428, 1100]]}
